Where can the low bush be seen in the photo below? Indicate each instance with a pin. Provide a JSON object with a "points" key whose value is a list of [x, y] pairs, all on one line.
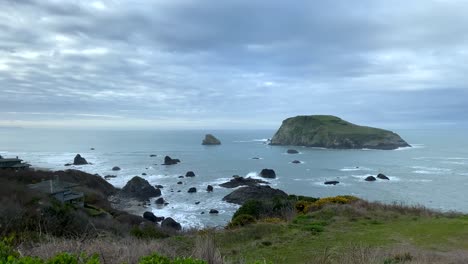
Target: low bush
{"points": [[241, 220], [148, 232]]}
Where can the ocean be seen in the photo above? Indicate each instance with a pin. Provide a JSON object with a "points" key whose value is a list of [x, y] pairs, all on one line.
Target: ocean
{"points": [[432, 173]]}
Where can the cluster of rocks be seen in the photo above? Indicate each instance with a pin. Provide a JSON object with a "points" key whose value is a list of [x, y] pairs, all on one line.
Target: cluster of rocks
{"points": [[241, 181], [368, 178]]}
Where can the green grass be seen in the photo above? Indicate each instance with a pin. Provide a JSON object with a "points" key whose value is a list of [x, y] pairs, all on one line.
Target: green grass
{"points": [[316, 233]]}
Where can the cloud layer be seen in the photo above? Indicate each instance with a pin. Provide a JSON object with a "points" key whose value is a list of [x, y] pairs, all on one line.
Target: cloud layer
{"points": [[231, 64]]}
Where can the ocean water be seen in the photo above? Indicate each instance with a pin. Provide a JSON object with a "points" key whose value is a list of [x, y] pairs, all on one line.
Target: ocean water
{"points": [[433, 173]]}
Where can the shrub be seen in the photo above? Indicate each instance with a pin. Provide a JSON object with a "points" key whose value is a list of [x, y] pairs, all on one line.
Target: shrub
{"points": [[341, 199], [241, 220], [157, 259], [253, 208], [148, 232]]}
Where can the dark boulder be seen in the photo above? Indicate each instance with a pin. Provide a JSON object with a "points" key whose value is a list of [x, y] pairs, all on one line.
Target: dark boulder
{"points": [[159, 186], [197, 203], [170, 224], [241, 181], [109, 177], [149, 216], [78, 160], [192, 190], [115, 168], [190, 174], [169, 161], [67, 164], [382, 177], [160, 201], [268, 173], [143, 174], [296, 161], [180, 182], [262, 192], [140, 188], [370, 178], [255, 158], [181, 176], [331, 182], [91, 148], [214, 211], [210, 140], [209, 188], [292, 151], [153, 155]]}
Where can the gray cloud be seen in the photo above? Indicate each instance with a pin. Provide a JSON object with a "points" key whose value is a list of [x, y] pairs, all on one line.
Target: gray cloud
{"points": [[231, 63]]}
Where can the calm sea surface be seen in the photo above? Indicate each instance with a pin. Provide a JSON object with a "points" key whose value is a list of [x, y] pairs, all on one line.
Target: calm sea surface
{"points": [[433, 173]]}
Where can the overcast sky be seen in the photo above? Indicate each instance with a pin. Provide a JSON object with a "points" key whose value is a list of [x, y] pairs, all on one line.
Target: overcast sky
{"points": [[232, 64]]}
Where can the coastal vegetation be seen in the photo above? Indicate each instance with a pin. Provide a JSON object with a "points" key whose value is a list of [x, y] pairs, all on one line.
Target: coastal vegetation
{"points": [[283, 229]]}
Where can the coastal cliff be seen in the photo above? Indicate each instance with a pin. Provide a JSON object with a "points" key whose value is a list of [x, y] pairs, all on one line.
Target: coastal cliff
{"points": [[328, 131]]}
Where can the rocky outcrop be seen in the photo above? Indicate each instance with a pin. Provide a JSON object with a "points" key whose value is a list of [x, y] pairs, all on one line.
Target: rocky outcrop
{"points": [[241, 181], [192, 190], [332, 132], [209, 188], [190, 174], [170, 161], [210, 140], [107, 177], [160, 201], [292, 151], [331, 182], [151, 217], [116, 168], [382, 177], [268, 173], [140, 188], [261, 192], [170, 224], [370, 178], [78, 160]]}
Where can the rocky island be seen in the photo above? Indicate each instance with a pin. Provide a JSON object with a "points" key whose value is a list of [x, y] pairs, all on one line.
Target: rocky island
{"points": [[328, 131], [210, 140]]}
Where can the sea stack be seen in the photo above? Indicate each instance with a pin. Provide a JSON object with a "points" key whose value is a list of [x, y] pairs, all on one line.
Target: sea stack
{"points": [[211, 140], [328, 131]]}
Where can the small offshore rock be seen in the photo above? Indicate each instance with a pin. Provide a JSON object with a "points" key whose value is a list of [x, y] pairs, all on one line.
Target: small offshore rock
{"points": [[214, 211], [292, 151], [190, 174], [370, 178], [296, 161], [115, 168], [159, 186], [210, 140], [209, 188], [382, 177], [160, 201], [197, 202], [78, 160], [109, 177], [170, 161], [180, 182], [331, 182], [143, 174], [180, 177], [153, 155], [192, 190], [268, 173]]}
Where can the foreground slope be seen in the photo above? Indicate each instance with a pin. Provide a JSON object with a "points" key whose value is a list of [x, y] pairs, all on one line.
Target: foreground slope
{"points": [[328, 131]]}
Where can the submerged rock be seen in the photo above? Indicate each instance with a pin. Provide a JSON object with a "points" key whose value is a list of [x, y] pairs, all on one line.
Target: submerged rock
{"points": [[268, 173], [78, 160], [211, 140], [153, 155], [140, 188], [331, 182], [292, 151], [382, 177], [241, 181], [109, 177], [261, 192], [296, 162], [115, 168], [328, 131]]}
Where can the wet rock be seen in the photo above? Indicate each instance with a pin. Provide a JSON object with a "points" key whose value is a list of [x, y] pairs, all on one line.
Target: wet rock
{"points": [[115, 168], [268, 173], [67, 164], [209, 188], [180, 182], [331, 182], [370, 178], [296, 161], [255, 158], [153, 155], [78, 160], [210, 140], [382, 177], [159, 186], [107, 177], [143, 174], [181, 177], [190, 174], [160, 201], [170, 161], [149, 216], [197, 203], [192, 190], [214, 211]]}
